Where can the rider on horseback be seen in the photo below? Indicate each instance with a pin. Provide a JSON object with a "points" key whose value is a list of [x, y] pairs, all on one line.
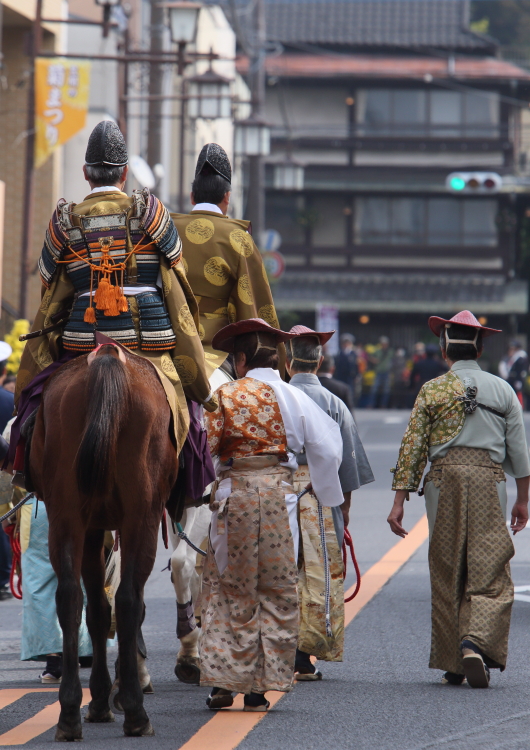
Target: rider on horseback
{"points": [[223, 264], [111, 265]]}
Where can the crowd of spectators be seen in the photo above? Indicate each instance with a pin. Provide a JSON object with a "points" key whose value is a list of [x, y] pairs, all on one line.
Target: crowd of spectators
{"points": [[379, 376], [374, 376]]}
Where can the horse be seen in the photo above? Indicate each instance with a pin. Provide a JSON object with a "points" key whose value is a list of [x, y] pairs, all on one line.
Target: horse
{"points": [[103, 457], [186, 580]]}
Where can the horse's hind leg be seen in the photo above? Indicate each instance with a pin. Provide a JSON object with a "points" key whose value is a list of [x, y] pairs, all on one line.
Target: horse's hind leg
{"points": [[138, 554], [98, 622], [65, 555]]}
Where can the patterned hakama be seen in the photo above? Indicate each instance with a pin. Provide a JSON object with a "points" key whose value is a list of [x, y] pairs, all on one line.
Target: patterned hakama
{"points": [[250, 609], [469, 553], [313, 638]]}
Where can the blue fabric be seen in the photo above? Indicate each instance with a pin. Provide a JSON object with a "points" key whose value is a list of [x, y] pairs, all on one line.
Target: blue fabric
{"points": [[5, 558], [7, 401], [41, 632]]}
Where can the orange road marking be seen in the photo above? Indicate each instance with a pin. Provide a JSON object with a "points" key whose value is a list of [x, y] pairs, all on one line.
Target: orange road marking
{"points": [[41, 722], [379, 574], [10, 695], [229, 727]]}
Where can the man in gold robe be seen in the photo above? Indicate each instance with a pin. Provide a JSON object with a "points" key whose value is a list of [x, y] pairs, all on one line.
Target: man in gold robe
{"points": [[223, 265]]}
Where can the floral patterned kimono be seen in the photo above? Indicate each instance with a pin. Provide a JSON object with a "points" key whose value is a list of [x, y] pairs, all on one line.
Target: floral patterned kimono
{"points": [[250, 600]]}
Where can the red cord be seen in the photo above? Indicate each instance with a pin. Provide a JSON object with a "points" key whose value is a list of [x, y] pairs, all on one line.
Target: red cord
{"points": [[16, 568], [348, 542]]}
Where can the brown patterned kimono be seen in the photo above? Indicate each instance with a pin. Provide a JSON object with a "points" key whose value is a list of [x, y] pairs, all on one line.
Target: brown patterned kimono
{"points": [[470, 546]]}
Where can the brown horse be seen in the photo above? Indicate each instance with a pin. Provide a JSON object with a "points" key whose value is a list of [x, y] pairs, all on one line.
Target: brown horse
{"points": [[102, 457]]}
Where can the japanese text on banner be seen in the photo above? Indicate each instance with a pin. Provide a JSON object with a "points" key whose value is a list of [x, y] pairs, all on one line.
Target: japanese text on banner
{"points": [[61, 100]]}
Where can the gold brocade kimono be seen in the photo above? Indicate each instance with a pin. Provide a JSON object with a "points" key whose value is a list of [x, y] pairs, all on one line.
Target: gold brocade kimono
{"points": [[226, 273], [182, 370]]}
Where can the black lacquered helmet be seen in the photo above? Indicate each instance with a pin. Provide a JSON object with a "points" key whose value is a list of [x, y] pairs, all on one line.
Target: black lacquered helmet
{"points": [[214, 158], [106, 146]]}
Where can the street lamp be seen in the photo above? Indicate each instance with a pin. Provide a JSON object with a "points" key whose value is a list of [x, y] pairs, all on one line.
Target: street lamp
{"points": [[107, 6], [289, 176], [183, 17], [253, 137], [209, 96]]}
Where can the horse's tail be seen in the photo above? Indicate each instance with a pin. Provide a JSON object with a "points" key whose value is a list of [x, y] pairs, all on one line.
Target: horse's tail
{"points": [[108, 400]]}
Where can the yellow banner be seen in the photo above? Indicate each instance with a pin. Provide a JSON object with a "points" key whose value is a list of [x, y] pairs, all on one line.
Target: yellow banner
{"points": [[62, 87]]}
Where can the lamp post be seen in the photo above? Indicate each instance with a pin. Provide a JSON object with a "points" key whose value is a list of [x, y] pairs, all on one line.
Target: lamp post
{"points": [[107, 6], [183, 19], [209, 95], [289, 176]]}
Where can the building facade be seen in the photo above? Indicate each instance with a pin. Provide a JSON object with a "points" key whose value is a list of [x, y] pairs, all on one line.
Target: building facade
{"points": [[378, 102]]}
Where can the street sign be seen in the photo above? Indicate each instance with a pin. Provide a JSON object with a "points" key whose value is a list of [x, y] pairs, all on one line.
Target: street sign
{"points": [[477, 183], [274, 263], [271, 240], [327, 319]]}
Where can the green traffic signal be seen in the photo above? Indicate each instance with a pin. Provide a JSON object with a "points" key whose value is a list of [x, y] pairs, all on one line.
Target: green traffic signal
{"points": [[457, 183]]}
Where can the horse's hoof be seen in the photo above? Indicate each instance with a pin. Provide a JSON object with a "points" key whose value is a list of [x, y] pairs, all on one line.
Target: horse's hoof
{"points": [[68, 735], [103, 718], [113, 700], [189, 671], [145, 731], [148, 689]]}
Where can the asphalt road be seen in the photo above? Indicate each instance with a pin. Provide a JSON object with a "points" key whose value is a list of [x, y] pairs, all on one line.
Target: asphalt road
{"points": [[383, 696]]}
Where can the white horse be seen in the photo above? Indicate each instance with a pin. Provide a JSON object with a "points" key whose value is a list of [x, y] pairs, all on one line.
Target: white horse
{"points": [[185, 577]]}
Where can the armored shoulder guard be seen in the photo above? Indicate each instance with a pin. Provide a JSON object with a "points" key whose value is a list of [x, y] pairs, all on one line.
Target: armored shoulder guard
{"points": [[157, 223], [55, 241]]}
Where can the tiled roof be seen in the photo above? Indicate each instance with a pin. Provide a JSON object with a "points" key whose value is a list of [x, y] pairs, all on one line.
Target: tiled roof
{"points": [[365, 66], [394, 23], [416, 292], [442, 24]]}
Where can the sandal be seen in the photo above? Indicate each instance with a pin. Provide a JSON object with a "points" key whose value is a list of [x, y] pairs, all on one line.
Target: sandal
{"points": [[219, 698], [477, 673], [255, 702]]}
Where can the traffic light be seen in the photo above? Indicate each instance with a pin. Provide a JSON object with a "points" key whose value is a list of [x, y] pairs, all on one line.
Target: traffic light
{"points": [[473, 182]]}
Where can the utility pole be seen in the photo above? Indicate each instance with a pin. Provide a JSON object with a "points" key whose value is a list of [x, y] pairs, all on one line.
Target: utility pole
{"points": [[29, 177], [156, 86], [256, 172]]}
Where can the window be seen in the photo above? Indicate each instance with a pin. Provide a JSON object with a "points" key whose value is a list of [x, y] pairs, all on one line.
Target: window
{"points": [[329, 228], [283, 213], [440, 114], [427, 221]]}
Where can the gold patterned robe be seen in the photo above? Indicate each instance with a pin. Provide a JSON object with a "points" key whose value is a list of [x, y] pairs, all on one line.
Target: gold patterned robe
{"points": [[226, 273]]}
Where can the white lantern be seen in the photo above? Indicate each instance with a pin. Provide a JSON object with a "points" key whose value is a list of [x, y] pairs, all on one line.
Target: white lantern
{"points": [[209, 96], [253, 137], [289, 176], [183, 17]]}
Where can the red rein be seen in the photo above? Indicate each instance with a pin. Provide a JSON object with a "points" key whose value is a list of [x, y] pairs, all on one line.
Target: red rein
{"points": [[16, 562], [348, 542]]}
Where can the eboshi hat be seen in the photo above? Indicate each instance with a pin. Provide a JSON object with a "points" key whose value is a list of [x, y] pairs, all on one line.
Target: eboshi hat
{"points": [[464, 318], [323, 337], [224, 340]]}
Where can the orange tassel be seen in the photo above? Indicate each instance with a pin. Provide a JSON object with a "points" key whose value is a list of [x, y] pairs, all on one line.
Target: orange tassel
{"points": [[123, 305], [102, 294], [112, 306], [90, 315]]}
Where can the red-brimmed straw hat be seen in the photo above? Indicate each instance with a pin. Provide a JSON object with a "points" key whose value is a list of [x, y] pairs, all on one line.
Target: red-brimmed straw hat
{"points": [[224, 339], [464, 318], [323, 337]]}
